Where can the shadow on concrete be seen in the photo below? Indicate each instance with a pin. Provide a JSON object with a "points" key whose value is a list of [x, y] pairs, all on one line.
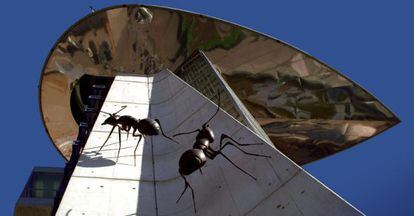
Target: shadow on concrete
{"points": [[88, 159]]}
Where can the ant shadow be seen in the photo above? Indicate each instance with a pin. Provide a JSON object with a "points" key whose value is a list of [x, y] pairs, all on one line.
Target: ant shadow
{"points": [[88, 159], [129, 155], [93, 158]]}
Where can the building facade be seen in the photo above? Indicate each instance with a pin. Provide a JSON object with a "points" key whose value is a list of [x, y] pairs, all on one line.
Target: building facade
{"points": [[37, 197]]}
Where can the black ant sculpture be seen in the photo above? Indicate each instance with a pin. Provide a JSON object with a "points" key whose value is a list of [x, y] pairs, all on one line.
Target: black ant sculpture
{"points": [[195, 158], [146, 127]]}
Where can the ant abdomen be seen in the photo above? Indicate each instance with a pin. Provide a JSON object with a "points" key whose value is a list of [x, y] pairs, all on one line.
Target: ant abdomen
{"points": [[191, 160], [149, 127]]}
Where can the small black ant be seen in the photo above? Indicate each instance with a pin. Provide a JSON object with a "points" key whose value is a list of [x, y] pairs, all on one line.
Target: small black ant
{"points": [[146, 127], [195, 158]]}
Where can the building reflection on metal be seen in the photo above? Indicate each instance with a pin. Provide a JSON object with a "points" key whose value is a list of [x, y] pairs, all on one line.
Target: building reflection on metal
{"points": [[307, 109], [199, 72], [200, 75]]}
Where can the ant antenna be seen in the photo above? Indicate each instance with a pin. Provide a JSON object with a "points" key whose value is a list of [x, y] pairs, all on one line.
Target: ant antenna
{"points": [[218, 108], [106, 112], [123, 107], [113, 114], [198, 130]]}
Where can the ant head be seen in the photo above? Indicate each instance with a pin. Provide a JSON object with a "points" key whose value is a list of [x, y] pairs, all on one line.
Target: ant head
{"points": [[111, 120], [206, 133]]}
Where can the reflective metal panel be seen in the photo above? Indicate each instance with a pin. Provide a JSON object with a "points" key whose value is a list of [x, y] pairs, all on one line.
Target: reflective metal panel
{"points": [[308, 109]]}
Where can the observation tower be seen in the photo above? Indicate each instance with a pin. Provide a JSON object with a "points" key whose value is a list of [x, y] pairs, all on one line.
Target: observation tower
{"points": [[278, 108]]}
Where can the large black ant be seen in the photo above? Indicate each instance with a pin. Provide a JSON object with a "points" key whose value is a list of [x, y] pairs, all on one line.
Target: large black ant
{"points": [[146, 127], [195, 158]]}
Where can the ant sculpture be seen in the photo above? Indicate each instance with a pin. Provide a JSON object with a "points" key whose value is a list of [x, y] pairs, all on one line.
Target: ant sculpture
{"points": [[146, 127], [195, 158]]}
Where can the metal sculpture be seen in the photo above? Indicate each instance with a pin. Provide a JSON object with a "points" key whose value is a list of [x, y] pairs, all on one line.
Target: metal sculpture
{"points": [[195, 158], [145, 127], [303, 100]]}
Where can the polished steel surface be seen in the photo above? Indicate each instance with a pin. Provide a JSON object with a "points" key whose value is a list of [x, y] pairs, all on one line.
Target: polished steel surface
{"points": [[308, 109]]}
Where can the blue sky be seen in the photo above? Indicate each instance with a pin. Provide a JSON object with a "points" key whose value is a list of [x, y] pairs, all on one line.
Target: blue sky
{"points": [[369, 41]]}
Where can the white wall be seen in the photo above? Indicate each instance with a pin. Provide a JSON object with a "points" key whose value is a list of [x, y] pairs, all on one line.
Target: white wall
{"points": [[99, 186]]}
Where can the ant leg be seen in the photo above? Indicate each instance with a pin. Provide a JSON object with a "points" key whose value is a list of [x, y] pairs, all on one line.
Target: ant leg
{"points": [[224, 136], [119, 149], [127, 130], [135, 155], [133, 132], [112, 130], [201, 171], [221, 153], [162, 132], [185, 188], [179, 134], [245, 152]]}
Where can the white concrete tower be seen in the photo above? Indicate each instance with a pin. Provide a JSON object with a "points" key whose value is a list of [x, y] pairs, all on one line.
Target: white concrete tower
{"points": [[151, 186]]}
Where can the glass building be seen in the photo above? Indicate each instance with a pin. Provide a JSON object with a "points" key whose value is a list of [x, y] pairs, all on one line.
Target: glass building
{"points": [[39, 192]]}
